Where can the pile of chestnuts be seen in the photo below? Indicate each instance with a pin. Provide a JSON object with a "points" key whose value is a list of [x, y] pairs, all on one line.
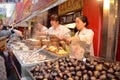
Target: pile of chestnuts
{"points": [[73, 69]]}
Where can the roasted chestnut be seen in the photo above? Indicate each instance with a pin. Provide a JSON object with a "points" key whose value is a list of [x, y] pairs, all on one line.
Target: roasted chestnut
{"points": [[103, 72], [103, 77], [93, 78], [110, 76], [72, 68], [96, 74], [106, 64], [79, 73], [90, 73], [99, 67], [92, 67], [39, 77], [85, 77], [110, 71], [70, 78], [76, 78], [88, 60], [117, 74], [77, 68], [83, 67]]}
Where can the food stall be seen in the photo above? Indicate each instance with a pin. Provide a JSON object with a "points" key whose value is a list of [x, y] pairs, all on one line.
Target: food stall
{"points": [[73, 69], [36, 63], [23, 57]]}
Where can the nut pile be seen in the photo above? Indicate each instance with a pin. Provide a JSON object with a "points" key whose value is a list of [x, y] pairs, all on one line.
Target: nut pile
{"points": [[73, 69]]}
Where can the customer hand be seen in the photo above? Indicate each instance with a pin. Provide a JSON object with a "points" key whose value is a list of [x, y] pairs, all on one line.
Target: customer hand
{"points": [[19, 33]]}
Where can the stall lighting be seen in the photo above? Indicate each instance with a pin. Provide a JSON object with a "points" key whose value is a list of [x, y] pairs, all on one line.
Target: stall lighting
{"points": [[112, 1], [70, 13], [99, 0], [71, 25], [106, 4]]}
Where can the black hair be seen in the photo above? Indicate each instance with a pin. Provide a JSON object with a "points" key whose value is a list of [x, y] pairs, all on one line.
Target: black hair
{"points": [[84, 19], [55, 17], [4, 28]]}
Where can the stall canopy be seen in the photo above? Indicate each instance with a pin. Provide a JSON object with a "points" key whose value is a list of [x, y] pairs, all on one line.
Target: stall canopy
{"points": [[22, 24], [40, 9]]}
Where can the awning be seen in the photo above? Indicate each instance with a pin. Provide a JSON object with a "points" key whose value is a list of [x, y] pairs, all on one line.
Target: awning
{"points": [[22, 24], [35, 13]]}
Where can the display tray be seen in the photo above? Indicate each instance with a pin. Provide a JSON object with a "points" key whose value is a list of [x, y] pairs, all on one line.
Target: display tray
{"points": [[54, 54], [22, 62], [22, 66], [29, 74], [28, 69]]}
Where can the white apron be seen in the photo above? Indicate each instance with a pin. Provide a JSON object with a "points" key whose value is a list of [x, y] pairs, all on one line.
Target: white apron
{"points": [[84, 45]]}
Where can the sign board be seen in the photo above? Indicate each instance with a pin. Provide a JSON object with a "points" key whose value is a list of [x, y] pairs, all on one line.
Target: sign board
{"points": [[41, 4], [27, 8], [19, 11], [69, 6]]}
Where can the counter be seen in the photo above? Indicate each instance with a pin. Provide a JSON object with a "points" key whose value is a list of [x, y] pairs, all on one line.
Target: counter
{"points": [[73, 69], [21, 64]]}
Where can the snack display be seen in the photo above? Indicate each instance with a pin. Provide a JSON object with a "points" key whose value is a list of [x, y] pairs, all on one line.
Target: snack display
{"points": [[45, 42], [54, 40], [73, 69], [57, 50], [33, 43]]}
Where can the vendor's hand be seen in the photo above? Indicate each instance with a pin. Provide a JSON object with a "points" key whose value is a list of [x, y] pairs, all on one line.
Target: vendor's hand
{"points": [[67, 40], [59, 37]]}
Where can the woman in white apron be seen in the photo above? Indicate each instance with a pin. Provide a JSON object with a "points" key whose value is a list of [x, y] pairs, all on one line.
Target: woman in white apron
{"points": [[82, 42]]}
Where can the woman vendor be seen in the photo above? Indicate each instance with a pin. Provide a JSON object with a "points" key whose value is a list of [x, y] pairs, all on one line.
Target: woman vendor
{"points": [[56, 28], [82, 42]]}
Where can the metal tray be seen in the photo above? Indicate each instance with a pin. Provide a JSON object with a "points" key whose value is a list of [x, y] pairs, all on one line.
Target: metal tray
{"points": [[48, 57], [29, 74], [54, 55], [23, 66]]}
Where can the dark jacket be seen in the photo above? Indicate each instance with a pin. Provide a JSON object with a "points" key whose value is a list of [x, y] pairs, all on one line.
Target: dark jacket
{"points": [[6, 33], [2, 69]]}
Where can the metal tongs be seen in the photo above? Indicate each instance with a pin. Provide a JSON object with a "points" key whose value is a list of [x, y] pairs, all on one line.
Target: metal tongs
{"points": [[43, 47]]}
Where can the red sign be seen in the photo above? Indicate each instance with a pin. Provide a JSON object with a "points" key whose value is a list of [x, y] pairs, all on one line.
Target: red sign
{"points": [[27, 8], [41, 4], [19, 11], [2, 0]]}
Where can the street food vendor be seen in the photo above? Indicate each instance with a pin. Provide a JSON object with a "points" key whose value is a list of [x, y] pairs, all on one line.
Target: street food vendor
{"points": [[8, 32], [56, 28], [41, 29], [82, 42]]}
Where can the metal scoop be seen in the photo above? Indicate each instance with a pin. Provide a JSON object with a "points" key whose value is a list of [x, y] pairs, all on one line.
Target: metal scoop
{"points": [[43, 47]]}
